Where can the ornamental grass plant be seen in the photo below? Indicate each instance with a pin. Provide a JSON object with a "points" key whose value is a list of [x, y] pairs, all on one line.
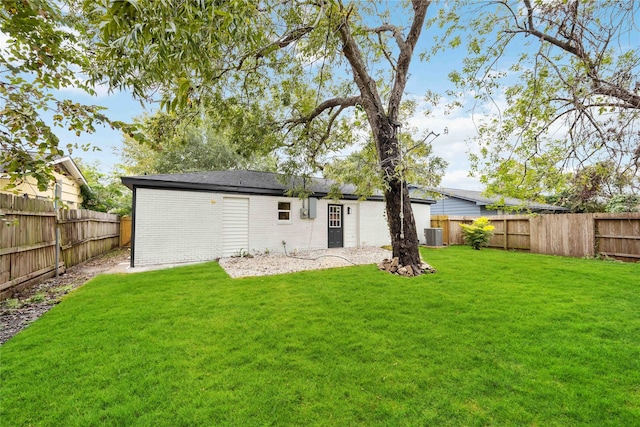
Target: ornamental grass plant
{"points": [[478, 233]]}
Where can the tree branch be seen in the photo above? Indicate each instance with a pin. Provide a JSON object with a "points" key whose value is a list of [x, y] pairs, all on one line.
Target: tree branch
{"points": [[370, 98], [330, 123], [284, 41], [531, 29], [395, 31], [387, 54], [605, 88], [324, 106], [404, 58]]}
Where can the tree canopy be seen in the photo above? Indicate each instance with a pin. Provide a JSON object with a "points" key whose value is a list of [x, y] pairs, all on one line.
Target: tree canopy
{"points": [[42, 56], [172, 147], [567, 75], [291, 76], [104, 192]]}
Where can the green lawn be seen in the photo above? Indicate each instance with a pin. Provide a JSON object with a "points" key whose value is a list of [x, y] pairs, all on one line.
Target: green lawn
{"points": [[494, 338]]}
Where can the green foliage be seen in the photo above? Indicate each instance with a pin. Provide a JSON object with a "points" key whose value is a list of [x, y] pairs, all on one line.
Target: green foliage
{"points": [[105, 192], [363, 169], [593, 188], [42, 56], [258, 73], [36, 298], [478, 233], [483, 342], [570, 96], [12, 303], [173, 146], [624, 203]]}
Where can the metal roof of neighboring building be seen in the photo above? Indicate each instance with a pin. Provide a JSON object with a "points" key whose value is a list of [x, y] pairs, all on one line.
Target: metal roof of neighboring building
{"points": [[479, 199]]}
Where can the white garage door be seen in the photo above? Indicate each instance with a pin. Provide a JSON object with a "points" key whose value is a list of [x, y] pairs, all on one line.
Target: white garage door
{"points": [[235, 225]]}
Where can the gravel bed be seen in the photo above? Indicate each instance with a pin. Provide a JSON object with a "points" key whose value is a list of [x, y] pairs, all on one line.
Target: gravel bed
{"points": [[278, 263]]}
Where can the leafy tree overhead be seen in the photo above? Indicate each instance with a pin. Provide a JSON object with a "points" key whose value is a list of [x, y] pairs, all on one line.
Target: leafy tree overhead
{"points": [[592, 187], [172, 147], [289, 75], [568, 72], [420, 167], [42, 55], [624, 203], [105, 193]]}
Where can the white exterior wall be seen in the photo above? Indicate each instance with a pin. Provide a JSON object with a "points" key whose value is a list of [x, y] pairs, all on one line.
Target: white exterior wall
{"points": [[176, 226], [374, 230], [266, 232], [173, 226], [422, 216]]}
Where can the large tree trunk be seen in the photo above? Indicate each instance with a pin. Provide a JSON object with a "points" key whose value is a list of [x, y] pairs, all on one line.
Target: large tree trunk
{"points": [[384, 126], [404, 236], [402, 225]]}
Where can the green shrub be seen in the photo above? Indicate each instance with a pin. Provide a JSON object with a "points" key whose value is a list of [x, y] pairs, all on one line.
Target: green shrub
{"points": [[478, 233]]}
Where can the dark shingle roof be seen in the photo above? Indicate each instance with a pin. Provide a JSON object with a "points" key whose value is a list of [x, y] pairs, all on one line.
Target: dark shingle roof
{"points": [[245, 182]]}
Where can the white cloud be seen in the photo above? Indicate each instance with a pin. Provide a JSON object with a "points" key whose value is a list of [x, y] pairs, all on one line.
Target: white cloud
{"points": [[454, 143], [4, 39]]}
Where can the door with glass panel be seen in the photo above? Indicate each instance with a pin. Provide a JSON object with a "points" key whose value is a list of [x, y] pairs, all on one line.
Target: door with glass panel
{"points": [[335, 226]]}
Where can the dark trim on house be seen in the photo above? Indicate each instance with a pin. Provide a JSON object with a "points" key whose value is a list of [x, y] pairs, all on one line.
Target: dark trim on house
{"points": [[133, 229], [214, 188]]}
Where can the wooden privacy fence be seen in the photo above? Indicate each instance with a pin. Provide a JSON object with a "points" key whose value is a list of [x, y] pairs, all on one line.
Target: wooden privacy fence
{"points": [[615, 235], [125, 232], [28, 240]]}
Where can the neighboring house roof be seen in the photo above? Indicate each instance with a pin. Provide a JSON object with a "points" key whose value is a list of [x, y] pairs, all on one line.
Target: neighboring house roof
{"points": [[72, 168], [69, 165], [480, 200], [246, 182]]}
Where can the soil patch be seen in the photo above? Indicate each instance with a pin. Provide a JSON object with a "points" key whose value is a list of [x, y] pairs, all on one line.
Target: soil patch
{"points": [[17, 312]]}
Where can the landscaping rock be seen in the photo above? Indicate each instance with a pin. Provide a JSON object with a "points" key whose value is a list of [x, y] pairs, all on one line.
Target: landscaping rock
{"points": [[393, 266]]}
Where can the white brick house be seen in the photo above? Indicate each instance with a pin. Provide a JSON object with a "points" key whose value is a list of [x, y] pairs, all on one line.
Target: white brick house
{"points": [[207, 215]]}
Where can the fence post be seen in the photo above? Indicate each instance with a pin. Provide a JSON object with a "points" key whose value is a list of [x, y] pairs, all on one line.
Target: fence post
{"points": [[56, 208], [506, 234]]}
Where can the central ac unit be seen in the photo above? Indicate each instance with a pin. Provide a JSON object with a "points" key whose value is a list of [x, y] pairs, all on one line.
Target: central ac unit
{"points": [[433, 236]]}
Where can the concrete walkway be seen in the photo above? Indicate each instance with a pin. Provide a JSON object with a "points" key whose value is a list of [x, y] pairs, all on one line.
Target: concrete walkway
{"points": [[125, 267]]}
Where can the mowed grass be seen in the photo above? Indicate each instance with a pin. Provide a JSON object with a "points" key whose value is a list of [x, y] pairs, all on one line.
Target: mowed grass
{"points": [[494, 338]]}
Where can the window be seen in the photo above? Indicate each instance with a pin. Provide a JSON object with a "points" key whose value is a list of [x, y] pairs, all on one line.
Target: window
{"points": [[335, 216], [284, 211]]}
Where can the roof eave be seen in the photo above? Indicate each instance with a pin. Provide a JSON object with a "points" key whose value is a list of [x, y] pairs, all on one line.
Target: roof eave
{"points": [[137, 182], [73, 169]]}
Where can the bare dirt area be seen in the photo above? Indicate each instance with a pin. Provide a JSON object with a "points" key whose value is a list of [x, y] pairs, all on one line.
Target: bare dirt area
{"points": [[17, 312], [278, 263]]}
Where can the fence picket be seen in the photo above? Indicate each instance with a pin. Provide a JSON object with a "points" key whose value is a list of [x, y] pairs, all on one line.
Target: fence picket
{"points": [[615, 235], [27, 239]]}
